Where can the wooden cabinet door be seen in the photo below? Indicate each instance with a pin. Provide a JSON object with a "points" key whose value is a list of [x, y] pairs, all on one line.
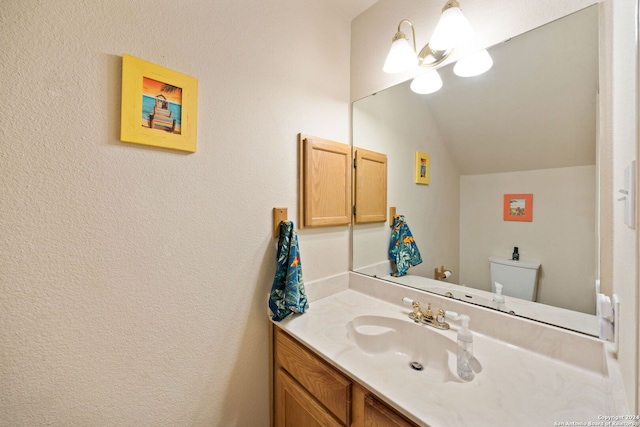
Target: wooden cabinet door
{"points": [[377, 414], [370, 186], [323, 382], [295, 407], [325, 182]]}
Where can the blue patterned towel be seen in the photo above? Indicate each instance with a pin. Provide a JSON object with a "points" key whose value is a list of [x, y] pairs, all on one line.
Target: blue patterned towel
{"points": [[287, 293], [403, 250]]}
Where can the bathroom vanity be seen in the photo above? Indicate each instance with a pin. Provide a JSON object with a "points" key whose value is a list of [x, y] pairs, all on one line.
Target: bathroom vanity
{"points": [[346, 362], [311, 392]]}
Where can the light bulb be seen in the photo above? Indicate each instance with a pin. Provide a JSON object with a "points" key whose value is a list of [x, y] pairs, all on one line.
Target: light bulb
{"points": [[474, 64], [426, 83], [452, 30], [401, 57]]}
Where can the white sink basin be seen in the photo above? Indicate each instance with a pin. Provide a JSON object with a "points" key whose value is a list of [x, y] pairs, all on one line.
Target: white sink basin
{"points": [[403, 342]]}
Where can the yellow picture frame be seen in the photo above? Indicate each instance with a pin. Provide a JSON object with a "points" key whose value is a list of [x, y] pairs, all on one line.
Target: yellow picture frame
{"points": [[423, 167], [159, 106]]}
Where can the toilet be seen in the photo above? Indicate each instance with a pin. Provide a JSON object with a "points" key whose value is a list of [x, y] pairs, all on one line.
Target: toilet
{"points": [[519, 279]]}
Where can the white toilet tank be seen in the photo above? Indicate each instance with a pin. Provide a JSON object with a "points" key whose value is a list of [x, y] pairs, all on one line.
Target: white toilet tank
{"points": [[519, 279]]}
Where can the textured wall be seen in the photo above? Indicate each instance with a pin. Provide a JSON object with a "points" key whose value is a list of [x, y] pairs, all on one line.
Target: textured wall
{"points": [[133, 280]]}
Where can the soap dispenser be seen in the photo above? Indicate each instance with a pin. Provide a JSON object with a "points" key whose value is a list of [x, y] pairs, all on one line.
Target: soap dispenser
{"points": [[498, 297], [465, 349], [465, 346]]}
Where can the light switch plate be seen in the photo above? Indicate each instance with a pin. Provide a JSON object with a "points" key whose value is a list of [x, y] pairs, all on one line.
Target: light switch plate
{"points": [[630, 191]]}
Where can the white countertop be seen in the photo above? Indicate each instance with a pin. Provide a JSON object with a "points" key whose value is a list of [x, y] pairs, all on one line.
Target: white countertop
{"points": [[516, 386]]}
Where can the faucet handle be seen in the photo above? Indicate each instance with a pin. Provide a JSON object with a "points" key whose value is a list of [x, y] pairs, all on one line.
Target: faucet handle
{"points": [[416, 315], [440, 320], [452, 314]]}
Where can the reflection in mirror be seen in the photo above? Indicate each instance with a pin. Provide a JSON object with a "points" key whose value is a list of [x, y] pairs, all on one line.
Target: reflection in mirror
{"points": [[527, 126]]}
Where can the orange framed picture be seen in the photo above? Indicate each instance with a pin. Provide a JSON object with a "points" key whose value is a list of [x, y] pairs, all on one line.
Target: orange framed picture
{"points": [[518, 207]]}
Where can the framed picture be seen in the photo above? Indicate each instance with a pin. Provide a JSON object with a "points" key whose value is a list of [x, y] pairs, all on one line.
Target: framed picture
{"points": [[423, 168], [159, 106], [518, 207]]}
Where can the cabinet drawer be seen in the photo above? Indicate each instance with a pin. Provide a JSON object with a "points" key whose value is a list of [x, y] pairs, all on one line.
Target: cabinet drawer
{"points": [[377, 414], [327, 385]]}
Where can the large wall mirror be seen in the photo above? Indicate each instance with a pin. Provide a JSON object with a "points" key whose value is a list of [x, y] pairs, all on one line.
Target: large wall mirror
{"points": [[527, 126]]}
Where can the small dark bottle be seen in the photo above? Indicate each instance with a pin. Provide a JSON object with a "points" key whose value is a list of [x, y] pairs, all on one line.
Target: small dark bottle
{"points": [[515, 256]]}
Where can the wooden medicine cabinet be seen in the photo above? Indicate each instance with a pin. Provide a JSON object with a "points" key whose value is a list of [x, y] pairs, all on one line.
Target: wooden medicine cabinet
{"points": [[370, 172], [324, 173]]}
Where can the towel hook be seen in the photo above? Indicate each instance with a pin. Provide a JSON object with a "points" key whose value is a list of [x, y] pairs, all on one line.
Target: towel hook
{"points": [[279, 215]]}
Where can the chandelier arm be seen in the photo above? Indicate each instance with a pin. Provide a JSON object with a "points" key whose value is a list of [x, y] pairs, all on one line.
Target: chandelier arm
{"points": [[451, 3], [413, 32]]}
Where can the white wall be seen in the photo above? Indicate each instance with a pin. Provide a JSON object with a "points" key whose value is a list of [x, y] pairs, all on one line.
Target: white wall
{"points": [[134, 280], [561, 237], [619, 135], [621, 129]]}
